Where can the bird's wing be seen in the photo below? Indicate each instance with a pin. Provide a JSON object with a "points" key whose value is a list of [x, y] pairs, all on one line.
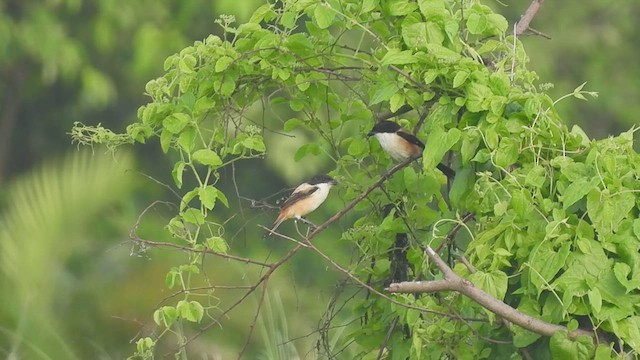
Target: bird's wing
{"points": [[410, 138], [301, 192]]}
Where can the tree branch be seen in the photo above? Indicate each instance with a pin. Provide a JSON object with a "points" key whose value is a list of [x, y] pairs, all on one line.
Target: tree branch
{"points": [[525, 20], [453, 282]]}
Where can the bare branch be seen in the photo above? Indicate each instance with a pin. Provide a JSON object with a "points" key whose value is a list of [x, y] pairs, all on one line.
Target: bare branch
{"points": [[454, 282], [525, 20]]}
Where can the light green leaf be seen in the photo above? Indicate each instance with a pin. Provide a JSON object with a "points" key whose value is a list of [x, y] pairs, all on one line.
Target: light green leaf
{"points": [[323, 15], [493, 283], [397, 57], [207, 157], [193, 216], [223, 63], [577, 190], [165, 140], [190, 310], [460, 78], [208, 195], [174, 123], [165, 316], [217, 244], [176, 173], [384, 92], [437, 145]]}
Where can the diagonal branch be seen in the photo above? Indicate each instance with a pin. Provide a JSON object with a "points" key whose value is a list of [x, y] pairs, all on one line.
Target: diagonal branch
{"points": [[525, 20], [453, 282]]}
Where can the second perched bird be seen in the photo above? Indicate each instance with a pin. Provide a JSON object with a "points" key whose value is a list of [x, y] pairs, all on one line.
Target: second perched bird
{"points": [[305, 198], [401, 144]]}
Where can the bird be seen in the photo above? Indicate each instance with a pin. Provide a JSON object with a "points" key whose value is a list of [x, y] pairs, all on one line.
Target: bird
{"points": [[307, 197], [401, 144]]}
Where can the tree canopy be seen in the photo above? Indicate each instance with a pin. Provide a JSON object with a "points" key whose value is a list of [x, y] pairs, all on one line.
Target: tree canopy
{"points": [[538, 230]]}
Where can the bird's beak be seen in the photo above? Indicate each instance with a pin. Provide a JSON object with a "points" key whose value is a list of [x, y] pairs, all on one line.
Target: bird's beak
{"points": [[334, 182], [370, 134]]}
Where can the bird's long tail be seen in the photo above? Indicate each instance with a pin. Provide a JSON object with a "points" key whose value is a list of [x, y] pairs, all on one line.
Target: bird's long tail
{"points": [[449, 172], [277, 223]]}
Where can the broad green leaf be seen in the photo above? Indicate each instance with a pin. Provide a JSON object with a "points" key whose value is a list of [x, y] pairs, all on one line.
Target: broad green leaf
{"points": [[507, 153], [222, 198], [176, 173], [477, 23], [208, 195], [397, 57], [223, 63], [470, 142], [460, 78], [193, 216], [187, 137], [324, 15], [217, 244], [186, 198], [190, 310], [564, 348], [493, 283], [165, 316], [437, 145], [174, 123], [577, 190], [384, 92], [207, 157], [165, 140], [607, 211]]}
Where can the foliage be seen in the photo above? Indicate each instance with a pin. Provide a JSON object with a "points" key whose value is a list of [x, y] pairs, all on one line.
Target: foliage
{"points": [[555, 230], [42, 228]]}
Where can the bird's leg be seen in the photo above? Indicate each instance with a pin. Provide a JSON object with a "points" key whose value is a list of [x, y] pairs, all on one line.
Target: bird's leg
{"points": [[295, 222], [308, 222]]}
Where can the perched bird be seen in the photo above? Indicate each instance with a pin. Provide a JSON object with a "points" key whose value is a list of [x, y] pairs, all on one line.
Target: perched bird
{"points": [[305, 198], [401, 144]]}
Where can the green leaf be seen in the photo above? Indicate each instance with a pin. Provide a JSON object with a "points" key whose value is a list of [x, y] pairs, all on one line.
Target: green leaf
{"points": [[223, 63], [291, 124], [358, 147], [207, 157], [323, 15], [208, 195], [493, 283], [384, 92], [397, 57], [165, 140], [176, 173], [595, 300], [174, 123], [507, 153], [476, 23], [460, 78], [186, 198], [170, 279], [437, 145], [217, 244], [607, 211], [190, 310], [187, 137], [254, 142], [288, 20], [306, 149], [564, 348], [193, 216], [222, 198], [396, 101], [470, 142], [165, 316], [577, 190]]}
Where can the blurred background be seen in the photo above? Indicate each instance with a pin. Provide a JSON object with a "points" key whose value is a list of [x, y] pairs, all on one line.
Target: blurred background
{"points": [[71, 286]]}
